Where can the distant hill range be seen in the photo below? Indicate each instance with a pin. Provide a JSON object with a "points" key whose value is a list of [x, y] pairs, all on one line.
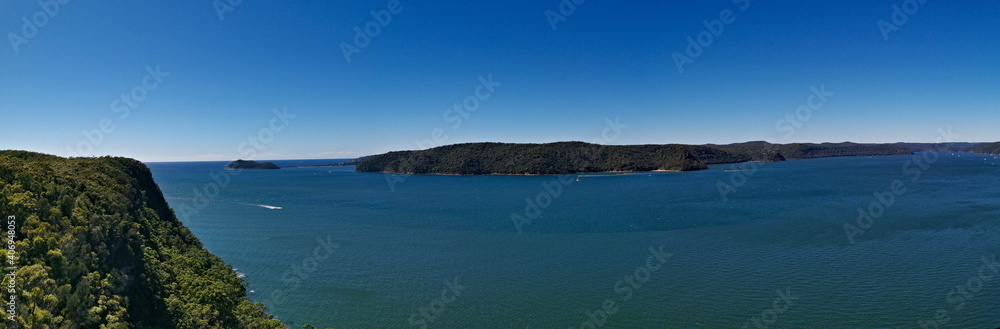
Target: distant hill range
{"points": [[580, 157]]}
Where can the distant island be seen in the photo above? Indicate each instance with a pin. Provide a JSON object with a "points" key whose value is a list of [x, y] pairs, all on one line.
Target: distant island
{"points": [[251, 165], [351, 162], [579, 157], [254, 165]]}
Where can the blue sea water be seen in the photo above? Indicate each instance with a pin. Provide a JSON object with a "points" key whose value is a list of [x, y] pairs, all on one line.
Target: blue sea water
{"points": [[340, 249]]}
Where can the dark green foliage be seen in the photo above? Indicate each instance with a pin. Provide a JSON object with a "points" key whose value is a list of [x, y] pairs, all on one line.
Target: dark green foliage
{"points": [[938, 147], [753, 151], [309, 326], [98, 247], [579, 157], [249, 164], [534, 159], [993, 148], [826, 150]]}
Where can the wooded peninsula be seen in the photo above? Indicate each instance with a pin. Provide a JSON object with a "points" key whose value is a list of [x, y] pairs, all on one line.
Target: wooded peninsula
{"points": [[579, 157], [99, 247]]}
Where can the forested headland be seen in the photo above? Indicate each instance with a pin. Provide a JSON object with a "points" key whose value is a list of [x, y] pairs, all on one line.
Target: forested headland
{"points": [[993, 148], [579, 157], [98, 247]]}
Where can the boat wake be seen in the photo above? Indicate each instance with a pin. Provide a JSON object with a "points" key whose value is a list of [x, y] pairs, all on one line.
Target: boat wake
{"points": [[261, 205]]}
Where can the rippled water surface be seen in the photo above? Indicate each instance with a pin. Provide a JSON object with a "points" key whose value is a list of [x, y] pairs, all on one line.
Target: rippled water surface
{"points": [[339, 249]]}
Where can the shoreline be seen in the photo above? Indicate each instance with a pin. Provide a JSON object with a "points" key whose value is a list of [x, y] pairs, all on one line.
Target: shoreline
{"points": [[561, 174], [651, 171]]}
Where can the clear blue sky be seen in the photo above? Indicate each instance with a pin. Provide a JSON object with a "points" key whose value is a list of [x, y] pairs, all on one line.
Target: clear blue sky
{"points": [[607, 59]]}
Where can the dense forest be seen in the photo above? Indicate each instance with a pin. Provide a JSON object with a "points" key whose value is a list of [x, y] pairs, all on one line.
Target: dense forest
{"points": [[535, 159], [763, 151], [939, 147], [579, 157], [98, 247], [251, 165], [987, 149]]}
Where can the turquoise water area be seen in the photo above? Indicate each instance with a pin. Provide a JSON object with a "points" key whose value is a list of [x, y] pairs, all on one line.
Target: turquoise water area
{"points": [[339, 249]]}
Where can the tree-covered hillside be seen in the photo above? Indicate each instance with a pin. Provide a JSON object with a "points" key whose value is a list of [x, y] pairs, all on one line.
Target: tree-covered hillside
{"points": [[251, 165], [579, 157], [993, 148], [98, 247], [534, 159], [827, 150]]}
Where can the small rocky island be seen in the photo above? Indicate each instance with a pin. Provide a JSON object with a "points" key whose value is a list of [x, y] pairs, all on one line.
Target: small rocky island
{"points": [[251, 165]]}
